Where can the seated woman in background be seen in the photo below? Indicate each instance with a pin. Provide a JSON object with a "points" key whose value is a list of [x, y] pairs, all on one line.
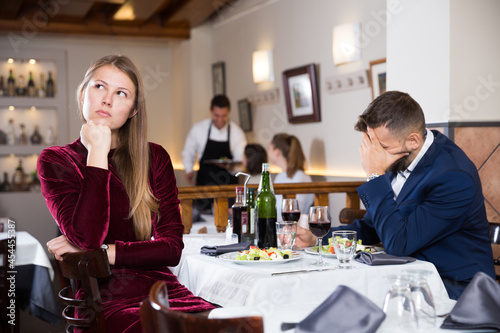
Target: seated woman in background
{"points": [[111, 186], [286, 152], [253, 157]]}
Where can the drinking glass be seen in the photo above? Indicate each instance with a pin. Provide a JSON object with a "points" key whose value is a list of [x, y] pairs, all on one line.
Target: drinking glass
{"points": [[422, 297], [285, 233], [399, 306], [319, 224], [290, 210], [344, 243]]}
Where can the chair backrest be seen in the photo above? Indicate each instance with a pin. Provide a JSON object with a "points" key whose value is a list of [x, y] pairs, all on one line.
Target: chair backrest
{"points": [[156, 317], [81, 270], [495, 246], [348, 215]]}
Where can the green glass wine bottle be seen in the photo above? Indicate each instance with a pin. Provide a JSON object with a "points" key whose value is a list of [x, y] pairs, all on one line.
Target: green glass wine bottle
{"points": [[266, 211]]}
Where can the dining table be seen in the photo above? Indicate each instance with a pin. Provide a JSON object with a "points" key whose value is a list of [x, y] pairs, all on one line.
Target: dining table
{"points": [[33, 274], [258, 288]]}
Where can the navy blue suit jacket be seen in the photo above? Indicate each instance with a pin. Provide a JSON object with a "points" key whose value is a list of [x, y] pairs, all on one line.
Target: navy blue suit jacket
{"points": [[439, 215]]}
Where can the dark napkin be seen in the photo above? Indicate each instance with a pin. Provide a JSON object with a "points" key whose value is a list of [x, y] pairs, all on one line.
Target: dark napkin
{"points": [[221, 249], [478, 307], [344, 311], [374, 259]]}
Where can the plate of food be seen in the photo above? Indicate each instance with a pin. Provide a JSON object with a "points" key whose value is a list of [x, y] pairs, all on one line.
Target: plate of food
{"points": [[257, 256], [328, 251]]}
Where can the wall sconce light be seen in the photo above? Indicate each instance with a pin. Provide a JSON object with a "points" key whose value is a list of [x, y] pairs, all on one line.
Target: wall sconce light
{"points": [[346, 43], [262, 66]]}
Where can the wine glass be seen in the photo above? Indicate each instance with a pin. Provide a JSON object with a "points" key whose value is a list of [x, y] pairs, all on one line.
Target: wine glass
{"points": [[290, 210], [319, 224]]}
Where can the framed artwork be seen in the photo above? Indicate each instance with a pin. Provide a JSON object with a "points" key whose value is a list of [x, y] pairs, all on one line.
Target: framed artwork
{"points": [[378, 77], [219, 78], [301, 94], [245, 109]]}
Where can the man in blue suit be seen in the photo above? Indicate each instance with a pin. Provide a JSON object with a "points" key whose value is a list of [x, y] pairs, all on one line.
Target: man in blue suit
{"points": [[423, 196]]}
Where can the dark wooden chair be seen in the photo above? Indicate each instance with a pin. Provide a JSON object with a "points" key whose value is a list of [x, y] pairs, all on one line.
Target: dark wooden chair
{"points": [[348, 215], [82, 270], [495, 246], [156, 317], [5, 286]]}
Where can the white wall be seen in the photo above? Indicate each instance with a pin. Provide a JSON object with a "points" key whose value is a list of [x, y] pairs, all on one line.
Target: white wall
{"points": [[300, 32]]}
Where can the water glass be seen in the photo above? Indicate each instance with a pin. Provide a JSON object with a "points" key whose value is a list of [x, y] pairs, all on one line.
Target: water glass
{"points": [[285, 233], [399, 306], [344, 243], [422, 297]]}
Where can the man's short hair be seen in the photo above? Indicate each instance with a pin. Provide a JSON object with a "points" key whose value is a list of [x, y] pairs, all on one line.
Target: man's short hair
{"points": [[397, 111], [220, 101]]}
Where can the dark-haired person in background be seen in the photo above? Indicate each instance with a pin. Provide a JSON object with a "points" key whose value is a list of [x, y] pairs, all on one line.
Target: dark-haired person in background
{"points": [[211, 139], [253, 157], [423, 196]]}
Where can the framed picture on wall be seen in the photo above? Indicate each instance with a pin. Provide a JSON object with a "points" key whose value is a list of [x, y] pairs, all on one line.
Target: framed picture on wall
{"points": [[245, 110], [378, 77], [301, 94], [219, 78]]}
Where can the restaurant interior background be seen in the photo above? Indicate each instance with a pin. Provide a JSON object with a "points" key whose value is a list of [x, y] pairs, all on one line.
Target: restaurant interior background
{"points": [[444, 53]]}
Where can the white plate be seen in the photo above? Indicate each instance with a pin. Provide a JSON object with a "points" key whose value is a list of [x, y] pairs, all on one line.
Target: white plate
{"points": [[310, 250], [231, 256]]}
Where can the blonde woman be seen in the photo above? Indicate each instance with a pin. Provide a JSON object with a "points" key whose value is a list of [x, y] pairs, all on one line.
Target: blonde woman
{"points": [[111, 186]]}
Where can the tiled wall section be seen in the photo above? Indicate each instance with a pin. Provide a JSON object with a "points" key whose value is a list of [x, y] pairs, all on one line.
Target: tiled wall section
{"points": [[482, 145]]}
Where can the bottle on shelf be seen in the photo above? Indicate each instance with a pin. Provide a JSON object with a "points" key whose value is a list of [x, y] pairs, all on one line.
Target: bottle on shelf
{"points": [[41, 86], [21, 86], [31, 86], [5, 186], [11, 134], [36, 138], [49, 89], [250, 234], [18, 180], [23, 137], [266, 211], [49, 138], [2, 87], [11, 84], [240, 214]]}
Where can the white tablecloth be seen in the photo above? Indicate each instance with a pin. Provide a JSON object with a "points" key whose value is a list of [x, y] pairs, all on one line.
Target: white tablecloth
{"points": [[290, 297], [29, 251]]}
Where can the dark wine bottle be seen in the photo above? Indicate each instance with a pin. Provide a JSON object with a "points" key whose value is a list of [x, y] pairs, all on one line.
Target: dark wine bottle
{"points": [[18, 180], [2, 87], [49, 88], [240, 214], [31, 86], [36, 138], [11, 84], [266, 211], [21, 87], [5, 186]]}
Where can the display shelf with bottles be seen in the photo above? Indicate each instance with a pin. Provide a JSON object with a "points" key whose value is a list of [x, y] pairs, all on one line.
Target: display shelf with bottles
{"points": [[33, 106]]}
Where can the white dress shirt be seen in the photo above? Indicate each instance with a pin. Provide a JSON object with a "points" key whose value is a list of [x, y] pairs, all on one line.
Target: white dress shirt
{"points": [[402, 176], [305, 200], [197, 140]]}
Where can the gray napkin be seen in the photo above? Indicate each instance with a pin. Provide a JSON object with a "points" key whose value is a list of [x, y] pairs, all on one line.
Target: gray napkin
{"points": [[478, 307], [381, 259], [344, 311], [221, 249]]}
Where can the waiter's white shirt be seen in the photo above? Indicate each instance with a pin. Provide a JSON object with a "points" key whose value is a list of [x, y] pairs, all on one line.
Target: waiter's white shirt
{"points": [[197, 140]]}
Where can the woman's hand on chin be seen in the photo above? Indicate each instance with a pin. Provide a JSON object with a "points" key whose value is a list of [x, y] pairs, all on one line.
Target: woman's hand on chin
{"points": [[60, 246]]}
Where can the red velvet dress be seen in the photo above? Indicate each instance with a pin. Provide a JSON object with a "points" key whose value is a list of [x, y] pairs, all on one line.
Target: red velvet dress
{"points": [[91, 207]]}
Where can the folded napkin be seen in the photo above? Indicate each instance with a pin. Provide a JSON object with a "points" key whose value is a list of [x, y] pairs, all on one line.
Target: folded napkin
{"points": [[221, 249], [381, 259], [478, 307], [344, 311]]}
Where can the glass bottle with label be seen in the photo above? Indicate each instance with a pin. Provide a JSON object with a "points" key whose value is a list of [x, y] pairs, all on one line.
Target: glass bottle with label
{"points": [[5, 186], [21, 86], [266, 211], [31, 86], [11, 134], [49, 90], [36, 138], [41, 86], [11, 84], [18, 180], [2, 87], [23, 137], [240, 214], [250, 235]]}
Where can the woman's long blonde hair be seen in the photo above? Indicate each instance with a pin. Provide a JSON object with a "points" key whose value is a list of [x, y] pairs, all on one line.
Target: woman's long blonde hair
{"points": [[291, 149], [131, 157]]}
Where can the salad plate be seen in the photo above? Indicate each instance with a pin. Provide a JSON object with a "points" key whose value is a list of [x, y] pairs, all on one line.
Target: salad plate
{"points": [[327, 254], [231, 257]]}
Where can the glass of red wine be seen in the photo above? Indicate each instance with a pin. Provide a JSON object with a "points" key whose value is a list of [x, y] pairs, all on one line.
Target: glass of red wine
{"points": [[290, 210], [319, 224]]}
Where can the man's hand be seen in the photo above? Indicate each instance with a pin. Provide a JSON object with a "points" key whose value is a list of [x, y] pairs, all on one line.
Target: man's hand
{"points": [[190, 177], [374, 157], [60, 245], [304, 237]]}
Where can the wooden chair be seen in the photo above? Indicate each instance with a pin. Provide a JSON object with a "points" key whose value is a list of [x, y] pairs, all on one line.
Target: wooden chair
{"points": [[156, 317], [348, 215], [4, 288], [495, 246], [83, 269]]}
